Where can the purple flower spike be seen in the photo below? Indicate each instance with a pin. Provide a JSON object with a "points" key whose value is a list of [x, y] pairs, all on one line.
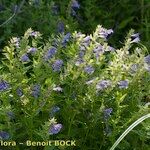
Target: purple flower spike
{"points": [[103, 85], [34, 33], [89, 69], [32, 50], [75, 5], [107, 113], [4, 85], [66, 39], [4, 135], [25, 58], [123, 84], [55, 128], [57, 65], [36, 91], [103, 33], [19, 92], [60, 27], [50, 53], [135, 38]]}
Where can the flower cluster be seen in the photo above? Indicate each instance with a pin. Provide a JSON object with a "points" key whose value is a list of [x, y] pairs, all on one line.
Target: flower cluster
{"points": [[4, 135], [4, 85], [56, 66], [36, 91], [50, 53], [55, 128]]}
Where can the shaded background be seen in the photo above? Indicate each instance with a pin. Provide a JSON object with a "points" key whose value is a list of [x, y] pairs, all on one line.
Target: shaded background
{"points": [[46, 15]]}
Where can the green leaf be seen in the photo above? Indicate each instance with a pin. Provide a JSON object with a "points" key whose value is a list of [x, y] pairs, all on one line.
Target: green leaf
{"points": [[124, 23]]}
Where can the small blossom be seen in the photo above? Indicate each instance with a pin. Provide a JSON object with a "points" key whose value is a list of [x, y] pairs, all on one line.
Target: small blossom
{"points": [[58, 89], [107, 113], [103, 33], [32, 50], [79, 62], [75, 5], [25, 58], [135, 38], [4, 85], [36, 91], [55, 128], [81, 54], [147, 67], [66, 39], [134, 68], [54, 110], [86, 41], [123, 84], [57, 65], [4, 135], [103, 84], [110, 49], [19, 92], [60, 27], [98, 50], [89, 69], [50, 53], [147, 59], [34, 33]]}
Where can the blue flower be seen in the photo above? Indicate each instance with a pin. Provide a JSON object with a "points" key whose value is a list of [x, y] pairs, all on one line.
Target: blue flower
{"points": [[50, 53], [89, 69], [56, 66], [60, 27], [134, 68], [135, 38], [98, 50], [54, 110], [103, 33], [107, 113], [4, 135], [75, 5], [123, 84], [4, 85], [25, 58], [103, 84], [34, 34], [147, 59], [66, 39], [81, 54], [36, 91], [55, 128], [32, 50], [19, 92]]}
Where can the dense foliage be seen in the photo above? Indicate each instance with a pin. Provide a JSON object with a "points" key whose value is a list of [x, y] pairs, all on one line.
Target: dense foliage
{"points": [[75, 87], [65, 77], [45, 16]]}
